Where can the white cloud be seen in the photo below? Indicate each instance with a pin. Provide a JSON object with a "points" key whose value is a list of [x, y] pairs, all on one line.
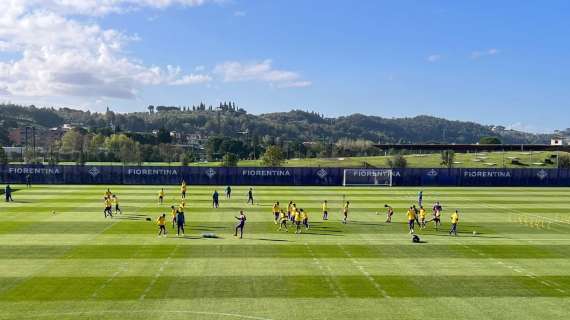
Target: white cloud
{"points": [[433, 58], [233, 71], [240, 14], [62, 56], [296, 84], [525, 127], [192, 79], [101, 7], [484, 53]]}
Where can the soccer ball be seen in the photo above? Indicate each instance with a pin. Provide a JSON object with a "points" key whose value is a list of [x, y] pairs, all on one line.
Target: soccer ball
{"points": [[53, 212], [474, 233]]}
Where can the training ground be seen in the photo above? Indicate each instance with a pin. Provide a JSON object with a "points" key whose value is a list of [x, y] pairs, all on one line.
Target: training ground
{"points": [[74, 264]]}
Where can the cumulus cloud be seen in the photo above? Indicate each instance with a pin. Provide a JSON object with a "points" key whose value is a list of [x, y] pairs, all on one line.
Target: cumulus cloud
{"points": [[234, 71], [102, 7], [60, 55], [484, 53], [433, 58], [192, 79]]}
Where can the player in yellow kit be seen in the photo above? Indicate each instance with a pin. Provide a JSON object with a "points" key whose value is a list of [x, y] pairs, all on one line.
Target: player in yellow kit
{"points": [[161, 222], [283, 221], [298, 219], [305, 218], [325, 207], [422, 217], [183, 189], [293, 212], [116, 204], [411, 215], [108, 211], [161, 196], [454, 221], [276, 212]]}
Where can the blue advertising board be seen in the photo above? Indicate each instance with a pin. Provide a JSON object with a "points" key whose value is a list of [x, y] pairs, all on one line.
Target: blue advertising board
{"points": [[39, 174]]}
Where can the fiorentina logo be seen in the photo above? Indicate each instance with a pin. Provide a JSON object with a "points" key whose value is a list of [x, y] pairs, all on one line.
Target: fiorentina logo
{"points": [[432, 173], [542, 174], [210, 173], [322, 173], [94, 172]]}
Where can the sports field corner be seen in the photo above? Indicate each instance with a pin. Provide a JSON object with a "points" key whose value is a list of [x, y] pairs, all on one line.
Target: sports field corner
{"points": [[61, 259]]}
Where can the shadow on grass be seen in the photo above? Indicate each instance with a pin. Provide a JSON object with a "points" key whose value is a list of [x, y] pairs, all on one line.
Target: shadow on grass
{"points": [[323, 234], [271, 240], [208, 227], [129, 218]]}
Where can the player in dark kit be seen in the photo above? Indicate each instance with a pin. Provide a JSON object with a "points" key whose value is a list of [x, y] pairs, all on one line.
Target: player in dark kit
{"points": [[228, 192], [180, 223], [250, 196], [240, 225], [8, 193], [215, 199]]}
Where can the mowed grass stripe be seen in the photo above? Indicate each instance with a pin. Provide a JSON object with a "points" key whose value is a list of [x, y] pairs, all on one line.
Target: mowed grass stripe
{"points": [[241, 251], [136, 224], [130, 288], [331, 267], [57, 262]]}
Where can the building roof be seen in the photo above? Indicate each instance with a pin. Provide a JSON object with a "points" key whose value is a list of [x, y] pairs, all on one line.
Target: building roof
{"points": [[474, 147]]}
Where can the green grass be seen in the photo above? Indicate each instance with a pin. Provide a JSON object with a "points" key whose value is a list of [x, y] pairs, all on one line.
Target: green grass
{"points": [[463, 160], [74, 264]]}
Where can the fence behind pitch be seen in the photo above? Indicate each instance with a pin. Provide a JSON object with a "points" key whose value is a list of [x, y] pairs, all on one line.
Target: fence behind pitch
{"points": [[278, 176]]}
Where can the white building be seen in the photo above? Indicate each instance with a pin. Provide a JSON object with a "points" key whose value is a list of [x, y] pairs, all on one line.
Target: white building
{"points": [[558, 141]]}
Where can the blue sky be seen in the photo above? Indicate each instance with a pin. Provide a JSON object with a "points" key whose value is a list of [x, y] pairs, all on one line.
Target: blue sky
{"points": [[495, 62]]}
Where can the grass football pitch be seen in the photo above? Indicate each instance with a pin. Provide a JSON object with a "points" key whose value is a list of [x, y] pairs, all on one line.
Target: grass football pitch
{"points": [[60, 259]]}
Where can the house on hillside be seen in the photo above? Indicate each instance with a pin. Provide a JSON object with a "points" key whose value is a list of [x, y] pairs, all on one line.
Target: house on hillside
{"points": [[559, 141]]}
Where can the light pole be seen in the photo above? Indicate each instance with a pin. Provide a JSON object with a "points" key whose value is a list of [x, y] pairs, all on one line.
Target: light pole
{"points": [[246, 133]]}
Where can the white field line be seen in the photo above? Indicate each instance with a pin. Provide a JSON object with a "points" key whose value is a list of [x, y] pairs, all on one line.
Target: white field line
{"points": [[364, 272], [103, 312], [326, 273], [158, 274], [521, 270], [517, 212], [104, 285]]}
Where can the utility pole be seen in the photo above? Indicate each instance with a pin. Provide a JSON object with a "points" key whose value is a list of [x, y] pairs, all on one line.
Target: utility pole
{"points": [[34, 142], [26, 145]]}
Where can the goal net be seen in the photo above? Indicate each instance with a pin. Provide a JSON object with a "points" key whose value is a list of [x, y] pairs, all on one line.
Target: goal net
{"points": [[367, 177]]}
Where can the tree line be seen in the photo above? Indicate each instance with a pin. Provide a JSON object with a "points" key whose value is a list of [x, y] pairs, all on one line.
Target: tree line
{"points": [[228, 132]]}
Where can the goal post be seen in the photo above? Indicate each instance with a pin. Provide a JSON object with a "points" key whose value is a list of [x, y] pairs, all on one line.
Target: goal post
{"points": [[367, 177]]}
